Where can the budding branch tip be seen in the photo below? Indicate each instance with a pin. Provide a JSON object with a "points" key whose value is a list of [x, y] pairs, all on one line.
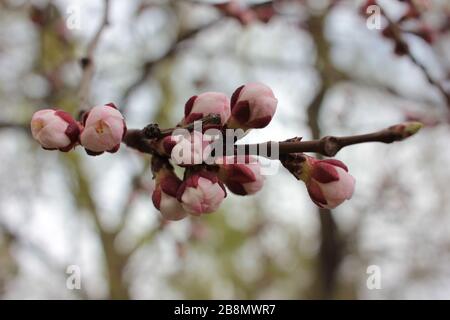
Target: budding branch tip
{"points": [[412, 128]]}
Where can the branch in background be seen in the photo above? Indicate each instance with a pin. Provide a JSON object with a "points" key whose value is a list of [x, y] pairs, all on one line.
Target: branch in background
{"points": [[87, 62], [115, 262], [148, 66], [394, 32], [54, 265], [10, 125], [244, 13], [332, 246]]}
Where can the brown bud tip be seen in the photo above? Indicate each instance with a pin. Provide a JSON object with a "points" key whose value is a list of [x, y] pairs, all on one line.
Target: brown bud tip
{"points": [[152, 131]]}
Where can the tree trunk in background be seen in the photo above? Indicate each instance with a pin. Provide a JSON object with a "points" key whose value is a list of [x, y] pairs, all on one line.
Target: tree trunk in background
{"points": [[331, 245]]}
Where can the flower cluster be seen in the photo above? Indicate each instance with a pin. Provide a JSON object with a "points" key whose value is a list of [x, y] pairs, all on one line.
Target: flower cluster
{"points": [[204, 185], [252, 106], [203, 188], [206, 177], [101, 129]]}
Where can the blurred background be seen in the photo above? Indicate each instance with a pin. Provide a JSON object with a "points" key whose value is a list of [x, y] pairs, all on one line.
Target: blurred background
{"points": [[333, 74]]}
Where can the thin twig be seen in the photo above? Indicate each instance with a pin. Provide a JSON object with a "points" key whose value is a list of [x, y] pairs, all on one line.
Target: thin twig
{"points": [[11, 125], [396, 34], [327, 146], [148, 66], [87, 62], [145, 140], [152, 131]]}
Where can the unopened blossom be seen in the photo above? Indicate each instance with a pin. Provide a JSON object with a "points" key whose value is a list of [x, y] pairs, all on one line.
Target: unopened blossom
{"points": [[368, 4], [201, 192], [189, 148], [55, 129], [241, 174], [208, 103], [164, 195], [238, 10], [165, 145], [104, 128], [328, 181], [252, 106]]}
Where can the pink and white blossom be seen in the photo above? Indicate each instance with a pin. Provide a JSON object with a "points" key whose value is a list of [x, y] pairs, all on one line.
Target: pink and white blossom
{"points": [[189, 148], [201, 193], [104, 128], [205, 104], [55, 129], [252, 106], [328, 182], [241, 174], [164, 196]]}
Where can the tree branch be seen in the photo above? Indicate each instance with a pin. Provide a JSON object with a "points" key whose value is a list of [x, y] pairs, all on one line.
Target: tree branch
{"points": [[145, 140], [329, 146], [395, 33], [11, 125], [87, 62], [148, 66]]}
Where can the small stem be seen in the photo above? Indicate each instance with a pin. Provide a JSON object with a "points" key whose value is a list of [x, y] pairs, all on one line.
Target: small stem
{"points": [[146, 139], [135, 139], [87, 63], [152, 131]]}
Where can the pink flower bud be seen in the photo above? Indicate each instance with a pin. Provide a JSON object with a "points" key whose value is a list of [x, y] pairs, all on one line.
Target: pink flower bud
{"points": [[201, 192], [165, 145], [55, 129], [265, 12], [241, 174], [207, 103], [188, 149], [252, 106], [164, 196], [328, 182], [237, 10], [104, 128]]}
